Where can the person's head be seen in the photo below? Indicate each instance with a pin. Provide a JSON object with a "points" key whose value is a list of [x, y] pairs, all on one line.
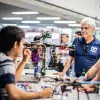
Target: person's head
{"points": [[78, 34], [64, 38], [12, 40], [87, 27]]}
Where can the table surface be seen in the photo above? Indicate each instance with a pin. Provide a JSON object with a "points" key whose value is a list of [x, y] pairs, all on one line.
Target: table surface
{"points": [[73, 95]]}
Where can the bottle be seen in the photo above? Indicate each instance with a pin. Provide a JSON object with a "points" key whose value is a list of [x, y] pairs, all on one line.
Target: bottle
{"points": [[83, 72], [73, 47]]}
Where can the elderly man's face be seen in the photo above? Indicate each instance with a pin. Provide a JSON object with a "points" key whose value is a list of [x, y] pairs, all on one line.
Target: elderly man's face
{"points": [[87, 31]]}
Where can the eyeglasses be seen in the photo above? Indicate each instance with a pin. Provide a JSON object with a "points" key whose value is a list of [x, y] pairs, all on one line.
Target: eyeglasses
{"points": [[85, 49]]}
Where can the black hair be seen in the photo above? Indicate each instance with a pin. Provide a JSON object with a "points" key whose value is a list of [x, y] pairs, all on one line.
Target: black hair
{"points": [[78, 33], [36, 38], [8, 36]]}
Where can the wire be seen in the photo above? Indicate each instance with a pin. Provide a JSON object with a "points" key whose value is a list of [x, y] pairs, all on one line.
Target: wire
{"points": [[55, 89], [87, 95], [92, 82], [77, 93]]}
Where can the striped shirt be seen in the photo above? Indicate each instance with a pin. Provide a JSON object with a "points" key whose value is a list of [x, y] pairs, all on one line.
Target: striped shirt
{"points": [[7, 74]]}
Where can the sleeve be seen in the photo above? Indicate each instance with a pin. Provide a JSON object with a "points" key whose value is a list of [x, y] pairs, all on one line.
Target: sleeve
{"points": [[72, 52], [8, 79], [7, 74]]}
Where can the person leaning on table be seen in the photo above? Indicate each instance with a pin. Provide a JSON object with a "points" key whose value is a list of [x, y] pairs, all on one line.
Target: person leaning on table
{"points": [[11, 45], [87, 49], [94, 75]]}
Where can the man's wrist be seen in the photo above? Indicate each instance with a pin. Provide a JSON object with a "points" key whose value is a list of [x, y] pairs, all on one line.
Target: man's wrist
{"points": [[40, 94], [85, 78], [24, 61], [64, 72]]}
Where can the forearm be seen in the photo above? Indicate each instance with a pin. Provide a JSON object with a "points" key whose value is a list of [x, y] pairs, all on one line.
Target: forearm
{"points": [[93, 71], [97, 77], [66, 67], [26, 57], [67, 64], [19, 70], [28, 95], [17, 94]]}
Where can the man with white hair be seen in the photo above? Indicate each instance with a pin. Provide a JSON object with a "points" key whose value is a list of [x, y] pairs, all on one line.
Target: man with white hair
{"points": [[87, 49]]}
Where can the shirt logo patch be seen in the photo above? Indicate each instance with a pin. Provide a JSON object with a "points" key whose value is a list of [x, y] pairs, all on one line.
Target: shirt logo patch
{"points": [[93, 49]]}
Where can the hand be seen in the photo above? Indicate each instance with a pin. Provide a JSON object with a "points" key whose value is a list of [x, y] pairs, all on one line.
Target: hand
{"points": [[26, 55], [46, 93], [86, 88], [61, 74], [56, 73]]}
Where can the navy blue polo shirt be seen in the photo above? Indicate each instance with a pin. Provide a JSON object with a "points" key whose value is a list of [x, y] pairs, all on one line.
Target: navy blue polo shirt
{"points": [[86, 54]]}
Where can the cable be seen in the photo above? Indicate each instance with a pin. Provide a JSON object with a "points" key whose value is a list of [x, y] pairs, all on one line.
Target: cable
{"points": [[87, 95], [75, 85], [77, 93], [92, 82], [55, 89], [63, 89]]}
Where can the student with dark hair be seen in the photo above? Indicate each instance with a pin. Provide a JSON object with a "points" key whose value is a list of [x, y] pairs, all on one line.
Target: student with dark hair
{"points": [[11, 45]]}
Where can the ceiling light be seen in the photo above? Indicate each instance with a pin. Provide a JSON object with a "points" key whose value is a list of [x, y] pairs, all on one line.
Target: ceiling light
{"points": [[48, 18], [64, 22], [12, 18], [74, 25], [30, 21], [26, 12], [23, 26], [9, 24]]}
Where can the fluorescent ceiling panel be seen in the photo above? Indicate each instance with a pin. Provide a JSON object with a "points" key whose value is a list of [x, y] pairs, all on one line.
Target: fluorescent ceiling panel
{"points": [[30, 22], [26, 12], [12, 18], [64, 22], [48, 18]]}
